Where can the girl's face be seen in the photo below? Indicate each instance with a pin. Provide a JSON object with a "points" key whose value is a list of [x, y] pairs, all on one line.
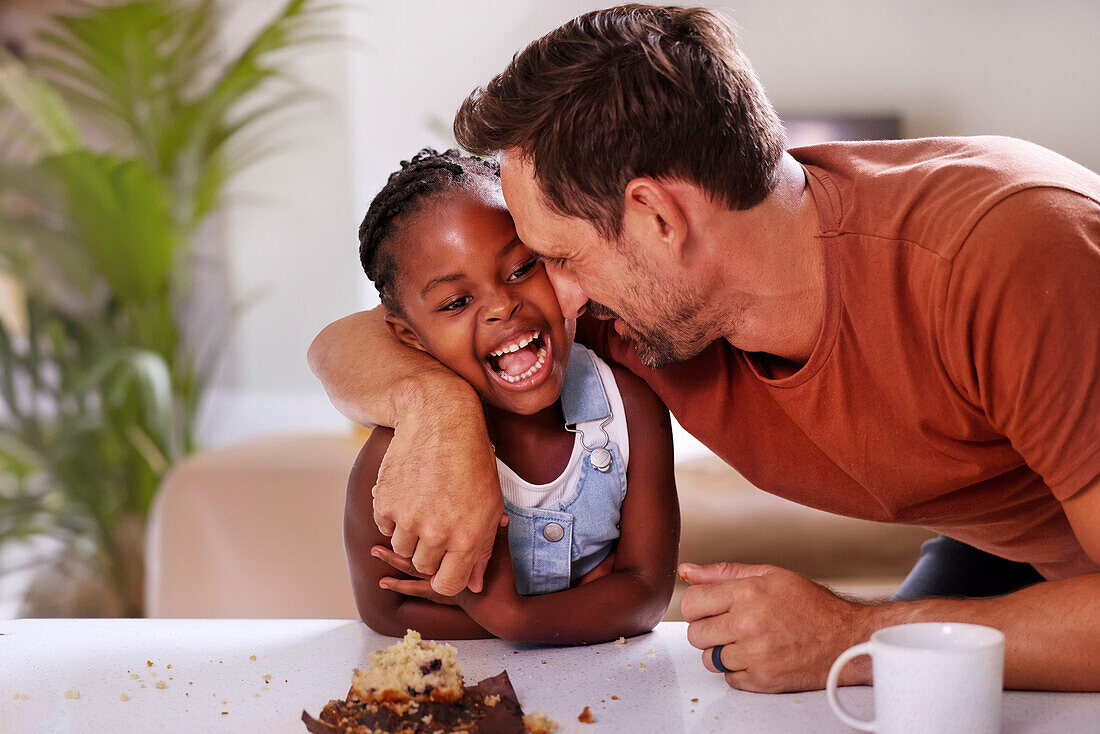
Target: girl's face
{"points": [[479, 301]]}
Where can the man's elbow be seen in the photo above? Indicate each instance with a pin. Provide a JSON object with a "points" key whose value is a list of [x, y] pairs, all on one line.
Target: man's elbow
{"points": [[318, 356]]}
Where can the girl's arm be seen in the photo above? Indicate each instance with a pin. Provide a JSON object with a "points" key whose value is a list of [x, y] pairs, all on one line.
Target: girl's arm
{"points": [[385, 611], [634, 596]]}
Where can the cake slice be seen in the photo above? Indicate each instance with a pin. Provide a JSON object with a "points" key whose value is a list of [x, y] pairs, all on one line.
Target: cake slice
{"points": [[416, 687], [414, 669]]}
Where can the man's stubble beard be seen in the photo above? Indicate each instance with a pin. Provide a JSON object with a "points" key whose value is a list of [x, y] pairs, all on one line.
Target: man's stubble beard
{"points": [[675, 335]]}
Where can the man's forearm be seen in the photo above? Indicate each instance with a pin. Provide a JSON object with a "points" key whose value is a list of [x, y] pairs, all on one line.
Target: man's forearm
{"points": [[374, 379], [1052, 630]]}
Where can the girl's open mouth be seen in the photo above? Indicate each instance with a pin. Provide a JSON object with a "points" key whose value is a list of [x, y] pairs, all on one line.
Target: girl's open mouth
{"points": [[523, 362]]}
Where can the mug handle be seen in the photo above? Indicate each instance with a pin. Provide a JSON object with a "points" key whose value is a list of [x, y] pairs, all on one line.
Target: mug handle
{"points": [[864, 648]]}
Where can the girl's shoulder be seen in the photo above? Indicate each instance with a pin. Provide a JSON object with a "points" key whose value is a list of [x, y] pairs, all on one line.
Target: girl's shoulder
{"points": [[635, 392]]}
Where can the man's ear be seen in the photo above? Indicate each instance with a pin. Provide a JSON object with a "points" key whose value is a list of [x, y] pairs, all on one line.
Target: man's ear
{"points": [[651, 213], [404, 333]]}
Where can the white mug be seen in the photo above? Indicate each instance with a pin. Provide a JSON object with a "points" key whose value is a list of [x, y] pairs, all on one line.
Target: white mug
{"points": [[930, 678]]}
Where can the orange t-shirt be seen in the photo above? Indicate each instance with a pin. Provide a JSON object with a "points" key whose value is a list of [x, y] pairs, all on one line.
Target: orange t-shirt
{"points": [[956, 382]]}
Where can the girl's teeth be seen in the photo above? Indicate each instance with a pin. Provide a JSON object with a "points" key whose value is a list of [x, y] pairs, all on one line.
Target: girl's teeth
{"points": [[530, 371], [517, 346]]}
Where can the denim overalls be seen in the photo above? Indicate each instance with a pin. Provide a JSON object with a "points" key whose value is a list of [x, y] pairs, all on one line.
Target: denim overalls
{"points": [[553, 547]]}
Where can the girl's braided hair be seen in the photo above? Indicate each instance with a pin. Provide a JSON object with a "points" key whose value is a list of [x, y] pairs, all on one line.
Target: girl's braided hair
{"points": [[428, 172]]}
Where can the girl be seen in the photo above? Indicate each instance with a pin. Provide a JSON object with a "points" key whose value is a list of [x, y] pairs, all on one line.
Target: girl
{"points": [[584, 450]]}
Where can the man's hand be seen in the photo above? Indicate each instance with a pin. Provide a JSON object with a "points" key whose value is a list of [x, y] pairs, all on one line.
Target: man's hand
{"points": [[781, 631], [492, 607], [438, 495]]}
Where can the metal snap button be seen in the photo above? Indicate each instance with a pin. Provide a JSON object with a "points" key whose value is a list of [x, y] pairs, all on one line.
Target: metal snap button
{"points": [[601, 459], [553, 532]]}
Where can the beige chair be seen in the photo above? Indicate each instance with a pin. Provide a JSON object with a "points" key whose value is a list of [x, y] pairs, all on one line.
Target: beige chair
{"points": [[255, 530]]}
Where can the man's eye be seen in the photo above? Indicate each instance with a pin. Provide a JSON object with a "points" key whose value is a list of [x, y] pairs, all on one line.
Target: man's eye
{"points": [[555, 261], [456, 305], [524, 269]]}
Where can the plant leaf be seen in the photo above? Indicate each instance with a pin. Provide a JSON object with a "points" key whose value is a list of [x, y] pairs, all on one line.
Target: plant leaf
{"points": [[121, 212], [39, 105]]}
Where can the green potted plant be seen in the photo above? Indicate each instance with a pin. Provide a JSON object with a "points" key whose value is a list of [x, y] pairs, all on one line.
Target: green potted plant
{"points": [[122, 125]]}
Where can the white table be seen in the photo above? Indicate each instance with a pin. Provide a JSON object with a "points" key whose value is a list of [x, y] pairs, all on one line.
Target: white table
{"points": [[258, 676]]}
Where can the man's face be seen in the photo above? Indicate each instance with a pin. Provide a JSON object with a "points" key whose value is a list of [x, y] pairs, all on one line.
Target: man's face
{"points": [[623, 280]]}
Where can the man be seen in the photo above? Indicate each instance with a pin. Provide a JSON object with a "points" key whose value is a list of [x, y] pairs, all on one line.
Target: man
{"points": [[905, 332]]}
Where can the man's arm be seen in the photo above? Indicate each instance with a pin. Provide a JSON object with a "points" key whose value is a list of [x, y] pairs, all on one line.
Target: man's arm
{"points": [[788, 629], [437, 496]]}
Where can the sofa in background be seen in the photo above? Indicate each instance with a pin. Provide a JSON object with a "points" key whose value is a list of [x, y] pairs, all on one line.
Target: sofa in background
{"points": [[255, 531]]}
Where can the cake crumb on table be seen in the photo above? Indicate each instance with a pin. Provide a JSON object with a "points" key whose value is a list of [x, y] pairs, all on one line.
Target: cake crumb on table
{"points": [[614, 698], [586, 716], [537, 722], [620, 641], [148, 663], [72, 694], [251, 657], [695, 700], [161, 684], [123, 697]]}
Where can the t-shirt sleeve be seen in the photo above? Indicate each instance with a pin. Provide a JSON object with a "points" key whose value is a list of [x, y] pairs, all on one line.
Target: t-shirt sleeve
{"points": [[1022, 329]]}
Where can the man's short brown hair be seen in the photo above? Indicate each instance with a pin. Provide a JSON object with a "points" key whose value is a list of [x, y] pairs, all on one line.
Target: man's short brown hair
{"points": [[630, 91]]}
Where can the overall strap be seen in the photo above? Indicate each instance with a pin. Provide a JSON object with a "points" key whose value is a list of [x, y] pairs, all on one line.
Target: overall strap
{"points": [[582, 394]]}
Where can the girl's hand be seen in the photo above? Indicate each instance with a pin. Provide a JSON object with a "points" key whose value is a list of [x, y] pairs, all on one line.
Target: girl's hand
{"points": [[420, 586]]}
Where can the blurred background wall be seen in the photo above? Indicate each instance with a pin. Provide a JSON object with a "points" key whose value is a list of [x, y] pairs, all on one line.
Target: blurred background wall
{"points": [[1009, 67]]}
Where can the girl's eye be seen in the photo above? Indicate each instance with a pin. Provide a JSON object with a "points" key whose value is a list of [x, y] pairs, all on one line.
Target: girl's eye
{"points": [[456, 305], [524, 269]]}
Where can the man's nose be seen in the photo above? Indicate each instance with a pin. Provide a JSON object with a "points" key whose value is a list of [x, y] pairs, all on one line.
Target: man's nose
{"points": [[570, 296]]}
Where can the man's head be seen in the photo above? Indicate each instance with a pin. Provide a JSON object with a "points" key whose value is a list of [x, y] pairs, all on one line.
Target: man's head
{"points": [[599, 122]]}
